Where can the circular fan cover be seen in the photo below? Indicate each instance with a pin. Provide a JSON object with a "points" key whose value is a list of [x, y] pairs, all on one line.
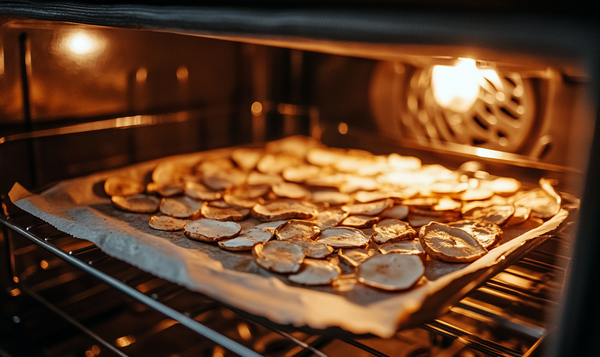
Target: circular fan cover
{"points": [[501, 118]]}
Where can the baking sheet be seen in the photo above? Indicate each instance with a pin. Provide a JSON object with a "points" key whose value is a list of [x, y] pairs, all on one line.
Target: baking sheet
{"points": [[80, 208]]}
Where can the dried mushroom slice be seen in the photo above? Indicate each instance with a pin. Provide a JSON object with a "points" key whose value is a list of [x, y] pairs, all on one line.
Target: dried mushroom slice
{"points": [[370, 209], [477, 194], [275, 164], [396, 212], [277, 210], [390, 230], [168, 223], [122, 186], [316, 272], [360, 221], [450, 244], [170, 172], [297, 229], [413, 247], [358, 183], [448, 188], [424, 203], [391, 271], [234, 200], [416, 220], [246, 159], [209, 230], [198, 191], [447, 204], [355, 257], [487, 233], [179, 207], [312, 249], [279, 256], [257, 178], [343, 237], [403, 163], [370, 196], [324, 156], [297, 145], [247, 240], [521, 216], [290, 190], [331, 217], [334, 181], [505, 186], [224, 214], [224, 180], [169, 190], [139, 203], [331, 197], [496, 213], [542, 204], [301, 173]]}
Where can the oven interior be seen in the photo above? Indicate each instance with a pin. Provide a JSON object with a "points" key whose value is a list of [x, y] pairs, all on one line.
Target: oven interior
{"points": [[79, 99]]}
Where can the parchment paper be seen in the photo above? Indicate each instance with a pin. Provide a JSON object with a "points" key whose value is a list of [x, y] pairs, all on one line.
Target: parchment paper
{"points": [[80, 208]]}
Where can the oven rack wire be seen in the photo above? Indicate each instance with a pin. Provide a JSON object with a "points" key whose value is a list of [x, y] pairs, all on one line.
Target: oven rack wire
{"points": [[513, 303]]}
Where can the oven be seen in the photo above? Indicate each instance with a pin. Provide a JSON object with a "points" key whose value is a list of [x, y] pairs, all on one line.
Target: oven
{"points": [[88, 88]]}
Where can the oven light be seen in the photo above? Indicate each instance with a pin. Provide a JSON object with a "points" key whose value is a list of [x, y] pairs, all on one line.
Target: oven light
{"points": [[456, 87], [81, 46]]}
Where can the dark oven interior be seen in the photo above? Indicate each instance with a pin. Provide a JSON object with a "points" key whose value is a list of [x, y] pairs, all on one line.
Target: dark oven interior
{"points": [[81, 98]]}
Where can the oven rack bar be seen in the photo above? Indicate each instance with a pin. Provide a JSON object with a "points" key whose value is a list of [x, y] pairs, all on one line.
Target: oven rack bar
{"points": [[89, 257]]}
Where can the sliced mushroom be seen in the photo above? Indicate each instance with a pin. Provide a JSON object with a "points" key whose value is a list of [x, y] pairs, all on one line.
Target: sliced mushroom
{"points": [[343, 237], [477, 194], [423, 203], [247, 239], [496, 213], [450, 244], [139, 203], [290, 190], [370, 209], [487, 233], [257, 178], [324, 156], [505, 186], [297, 229], [277, 210], [241, 201], [331, 197], [224, 214], [357, 183], [448, 187], [275, 164], [331, 217], [334, 181], [316, 272], [355, 257], [246, 159], [179, 207], [403, 163], [406, 247], [312, 249], [122, 186], [521, 216], [170, 172], [168, 223], [391, 271], [169, 190], [209, 230], [541, 203], [396, 212], [198, 191], [447, 204], [279, 256], [370, 196], [301, 173], [224, 180], [360, 221], [390, 230]]}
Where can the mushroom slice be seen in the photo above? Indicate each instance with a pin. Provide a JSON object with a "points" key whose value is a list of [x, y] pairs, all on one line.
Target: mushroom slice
{"points": [[246, 240], [257, 178], [450, 244], [355, 257], [391, 271], [521, 216], [416, 220], [477, 194], [360, 221], [448, 188], [407, 247], [487, 233], [139, 203], [312, 249], [179, 207], [331, 197], [169, 190], [370, 196], [301, 173], [424, 203], [209, 230], [277, 210], [275, 164], [447, 204], [224, 214], [279, 256], [251, 191], [316, 272], [505, 186], [290, 190], [246, 159], [170, 172], [168, 223], [240, 201], [224, 179], [403, 163], [331, 217], [200, 192], [496, 213], [390, 230], [343, 237], [297, 229], [541, 203], [357, 183], [370, 209], [395, 212], [324, 156], [334, 181], [122, 186], [296, 145], [273, 225]]}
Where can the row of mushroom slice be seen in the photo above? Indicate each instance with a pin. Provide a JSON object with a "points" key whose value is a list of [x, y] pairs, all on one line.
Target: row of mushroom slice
{"points": [[320, 202]]}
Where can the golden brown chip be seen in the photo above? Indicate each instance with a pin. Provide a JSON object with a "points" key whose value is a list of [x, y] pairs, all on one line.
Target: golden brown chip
{"points": [[170, 173], [357, 183], [521, 215], [334, 181], [316, 272], [496, 213], [406, 247], [198, 191], [343, 237], [290, 190], [296, 145], [167, 223], [246, 159], [396, 212], [209, 230], [331, 197], [179, 207], [139, 203], [279, 256], [360, 221], [450, 244], [542, 204], [424, 203], [448, 187], [257, 178], [487, 233], [355, 257], [391, 271], [403, 163], [477, 194], [331, 217], [247, 239], [370, 196], [122, 186], [370, 209], [224, 180], [169, 190], [277, 210], [297, 229], [301, 173], [505, 186], [224, 214], [234, 200], [390, 230], [275, 164], [324, 156], [447, 204], [312, 249]]}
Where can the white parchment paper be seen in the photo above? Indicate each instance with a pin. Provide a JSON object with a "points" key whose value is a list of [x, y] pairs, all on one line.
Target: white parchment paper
{"points": [[80, 208]]}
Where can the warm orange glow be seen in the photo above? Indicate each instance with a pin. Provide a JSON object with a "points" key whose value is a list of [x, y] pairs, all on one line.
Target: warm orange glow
{"points": [[456, 87], [256, 108], [44, 264], [244, 331], [218, 352], [95, 349], [141, 75], [125, 341], [15, 279], [15, 292], [89, 353], [182, 73], [82, 46], [490, 154], [343, 128]]}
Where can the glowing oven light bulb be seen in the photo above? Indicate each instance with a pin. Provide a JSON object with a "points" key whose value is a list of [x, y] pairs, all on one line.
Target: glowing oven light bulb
{"points": [[456, 87], [80, 43]]}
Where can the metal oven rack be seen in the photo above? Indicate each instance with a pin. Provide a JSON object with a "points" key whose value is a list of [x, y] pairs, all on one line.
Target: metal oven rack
{"points": [[503, 317]]}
